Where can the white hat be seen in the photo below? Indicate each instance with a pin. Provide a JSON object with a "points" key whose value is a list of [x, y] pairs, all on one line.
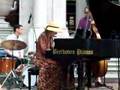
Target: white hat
{"points": [[53, 26]]}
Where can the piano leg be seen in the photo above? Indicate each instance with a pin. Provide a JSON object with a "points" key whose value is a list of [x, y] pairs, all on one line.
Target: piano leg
{"points": [[80, 71], [88, 73]]}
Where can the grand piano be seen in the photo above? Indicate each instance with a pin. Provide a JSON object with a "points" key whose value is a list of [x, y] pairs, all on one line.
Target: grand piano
{"points": [[106, 14], [98, 48], [70, 50], [107, 17]]}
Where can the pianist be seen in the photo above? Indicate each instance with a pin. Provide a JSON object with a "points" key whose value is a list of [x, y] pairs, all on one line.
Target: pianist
{"points": [[50, 70]]}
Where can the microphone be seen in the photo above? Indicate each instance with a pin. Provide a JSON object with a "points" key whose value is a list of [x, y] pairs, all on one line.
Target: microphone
{"points": [[29, 20]]}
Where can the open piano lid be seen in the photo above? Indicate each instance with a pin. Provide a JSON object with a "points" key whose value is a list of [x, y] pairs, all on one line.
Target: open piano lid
{"points": [[107, 17]]}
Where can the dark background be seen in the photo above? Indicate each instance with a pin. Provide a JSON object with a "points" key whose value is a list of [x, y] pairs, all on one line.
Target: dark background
{"points": [[107, 17]]}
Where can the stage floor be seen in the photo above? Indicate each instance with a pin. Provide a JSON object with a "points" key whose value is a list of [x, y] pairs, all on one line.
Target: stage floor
{"points": [[114, 85], [13, 86]]}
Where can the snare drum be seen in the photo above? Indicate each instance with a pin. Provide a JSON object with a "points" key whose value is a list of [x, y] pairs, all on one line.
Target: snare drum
{"points": [[27, 60], [7, 64]]}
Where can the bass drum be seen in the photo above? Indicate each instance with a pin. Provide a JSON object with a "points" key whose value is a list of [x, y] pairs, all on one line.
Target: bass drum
{"points": [[25, 77], [7, 64]]}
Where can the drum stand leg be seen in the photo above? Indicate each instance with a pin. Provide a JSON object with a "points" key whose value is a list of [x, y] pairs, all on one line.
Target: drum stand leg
{"points": [[11, 72]]}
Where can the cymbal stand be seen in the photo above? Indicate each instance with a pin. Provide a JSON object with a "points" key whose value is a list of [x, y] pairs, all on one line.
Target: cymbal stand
{"points": [[11, 72], [14, 75]]}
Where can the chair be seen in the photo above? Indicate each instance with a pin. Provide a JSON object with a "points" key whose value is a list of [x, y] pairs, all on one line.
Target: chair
{"points": [[32, 71]]}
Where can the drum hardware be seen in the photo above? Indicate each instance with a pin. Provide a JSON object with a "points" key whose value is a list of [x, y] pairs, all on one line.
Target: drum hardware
{"points": [[25, 70], [29, 61], [12, 45], [29, 58]]}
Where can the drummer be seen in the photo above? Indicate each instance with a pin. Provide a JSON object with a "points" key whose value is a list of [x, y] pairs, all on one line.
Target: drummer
{"points": [[17, 54]]}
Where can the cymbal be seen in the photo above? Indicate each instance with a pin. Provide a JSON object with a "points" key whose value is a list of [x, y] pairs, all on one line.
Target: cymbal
{"points": [[13, 44]]}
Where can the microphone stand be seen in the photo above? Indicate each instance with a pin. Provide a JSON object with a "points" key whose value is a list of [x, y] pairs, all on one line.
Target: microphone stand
{"points": [[31, 19], [29, 82]]}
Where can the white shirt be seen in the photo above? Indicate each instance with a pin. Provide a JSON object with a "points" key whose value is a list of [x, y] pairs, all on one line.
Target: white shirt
{"points": [[16, 53]]}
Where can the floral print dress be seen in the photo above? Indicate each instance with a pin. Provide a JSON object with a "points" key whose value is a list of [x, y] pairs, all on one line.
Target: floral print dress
{"points": [[50, 70]]}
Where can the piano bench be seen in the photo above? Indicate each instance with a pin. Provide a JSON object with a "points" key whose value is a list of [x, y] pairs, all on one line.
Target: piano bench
{"points": [[32, 71]]}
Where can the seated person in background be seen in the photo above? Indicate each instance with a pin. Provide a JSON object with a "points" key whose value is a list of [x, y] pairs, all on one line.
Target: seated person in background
{"points": [[17, 54]]}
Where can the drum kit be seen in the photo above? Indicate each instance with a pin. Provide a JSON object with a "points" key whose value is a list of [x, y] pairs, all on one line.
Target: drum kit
{"points": [[8, 64]]}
